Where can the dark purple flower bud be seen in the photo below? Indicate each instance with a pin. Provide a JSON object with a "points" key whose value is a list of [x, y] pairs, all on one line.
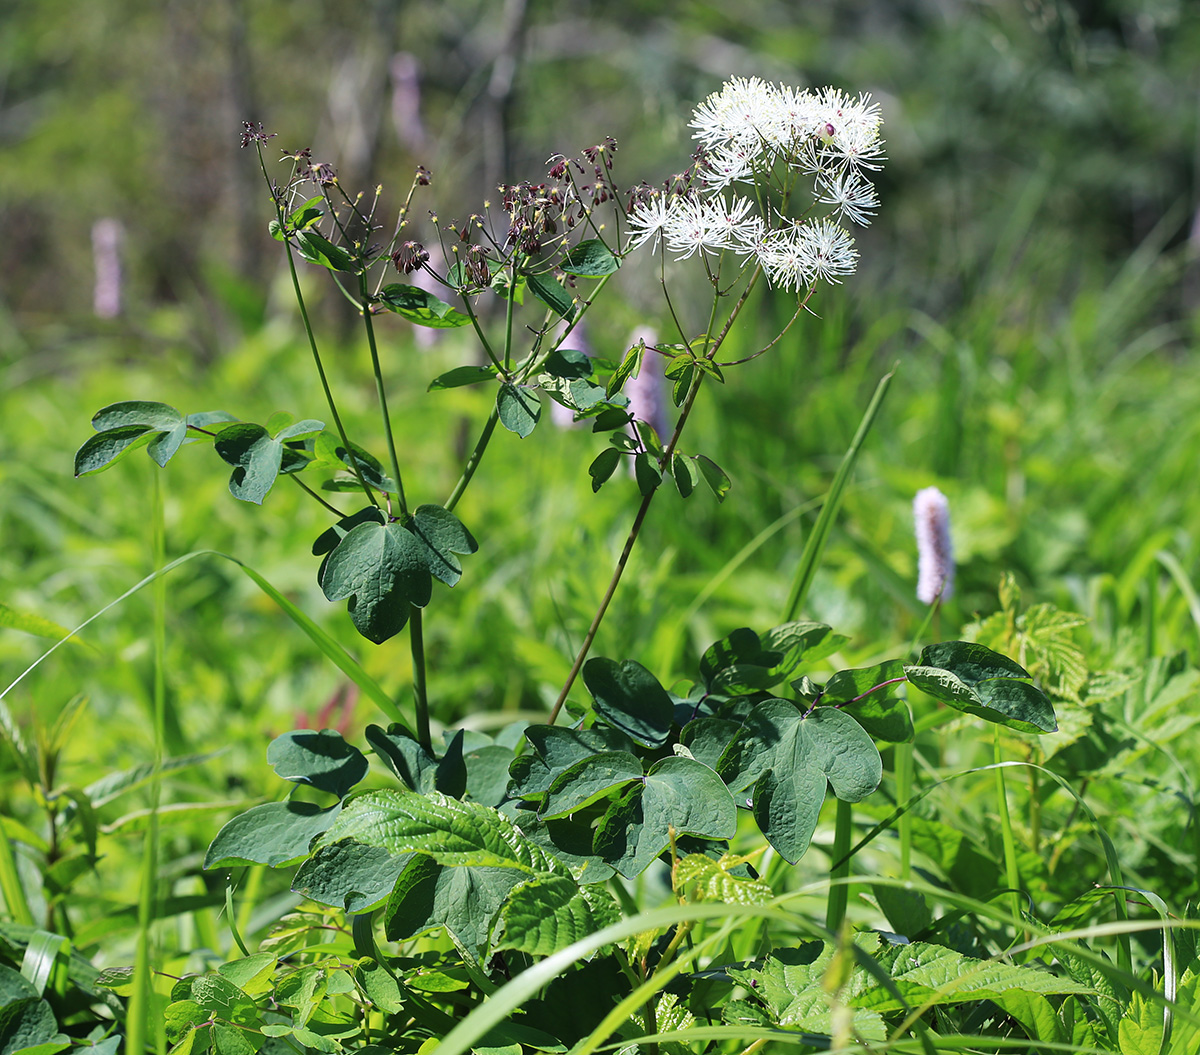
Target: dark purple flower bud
{"points": [[423, 176], [829, 129], [409, 257], [477, 266], [253, 133], [558, 166]]}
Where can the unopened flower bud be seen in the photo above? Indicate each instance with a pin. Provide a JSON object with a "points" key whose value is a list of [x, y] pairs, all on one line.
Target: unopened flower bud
{"points": [[409, 257]]}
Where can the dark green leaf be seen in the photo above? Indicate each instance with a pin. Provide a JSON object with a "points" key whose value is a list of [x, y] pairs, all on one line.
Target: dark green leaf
{"points": [[739, 664], [321, 759], [604, 465], [788, 757], [328, 450], [569, 363], [102, 450], [415, 767], [848, 685], [629, 366], [552, 294], [487, 773], [256, 459], [444, 536], [307, 214], [350, 875], [801, 642], [707, 366], [274, 834], [462, 375], [628, 697], [714, 476], [548, 913], [685, 472], [612, 418], [519, 409], [682, 385], [317, 249], [677, 794], [587, 780], [883, 717], [707, 738], [972, 678], [590, 259], [157, 416], [646, 472], [678, 366], [421, 307], [502, 285], [554, 750]]}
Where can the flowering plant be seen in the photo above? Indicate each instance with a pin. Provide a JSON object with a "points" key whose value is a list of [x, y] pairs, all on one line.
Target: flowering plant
{"points": [[505, 845]]}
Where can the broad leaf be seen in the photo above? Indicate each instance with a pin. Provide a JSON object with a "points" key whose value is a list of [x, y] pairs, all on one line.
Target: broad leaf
{"points": [[716, 478], [257, 456], [628, 697], [350, 875], [274, 834], [554, 751], [548, 913], [972, 678], [604, 465], [590, 259], [677, 794], [463, 375], [788, 757], [124, 427], [421, 307], [552, 294], [519, 409], [444, 536], [587, 780], [416, 768], [317, 249], [321, 759]]}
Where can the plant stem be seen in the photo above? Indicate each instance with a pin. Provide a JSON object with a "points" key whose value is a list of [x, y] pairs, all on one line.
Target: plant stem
{"points": [[381, 393], [417, 639], [623, 560], [312, 343], [839, 893], [903, 760], [1011, 872], [475, 458]]}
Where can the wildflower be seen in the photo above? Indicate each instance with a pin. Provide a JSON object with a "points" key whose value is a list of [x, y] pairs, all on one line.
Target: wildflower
{"points": [[410, 257], [831, 250], [649, 219], [852, 196], [935, 552]]}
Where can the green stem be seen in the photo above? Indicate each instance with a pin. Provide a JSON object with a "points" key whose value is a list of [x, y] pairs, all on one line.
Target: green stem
{"points": [[381, 394], [839, 893], [623, 560], [312, 343], [903, 756], [417, 638], [1011, 872], [475, 458]]}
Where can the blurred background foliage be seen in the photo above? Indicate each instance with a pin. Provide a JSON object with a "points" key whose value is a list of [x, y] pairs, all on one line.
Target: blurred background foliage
{"points": [[1033, 271]]}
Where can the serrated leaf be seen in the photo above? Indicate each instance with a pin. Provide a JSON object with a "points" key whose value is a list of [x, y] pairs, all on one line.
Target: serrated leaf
{"points": [[519, 409], [421, 307], [590, 259], [274, 834], [552, 294], [789, 757], [462, 375], [548, 913], [698, 877], [972, 678], [323, 760], [677, 794], [628, 697]]}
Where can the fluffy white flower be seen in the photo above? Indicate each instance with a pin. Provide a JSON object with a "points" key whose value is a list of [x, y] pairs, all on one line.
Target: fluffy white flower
{"points": [[831, 248], [737, 114], [935, 552], [650, 219], [849, 128], [851, 195]]}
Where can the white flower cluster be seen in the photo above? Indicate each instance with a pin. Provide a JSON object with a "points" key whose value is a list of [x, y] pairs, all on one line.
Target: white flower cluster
{"points": [[751, 131]]}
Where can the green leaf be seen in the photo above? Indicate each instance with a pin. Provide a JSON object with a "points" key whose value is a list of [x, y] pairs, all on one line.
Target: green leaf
{"points": [[629, 366], [685, 472], [321, 759], [612, 418], [628, 697], [554, 751], [972, 678], [699, 877], [718, 482], [350, 875], [421, 307], [30, 623], [604, 465], [307, 214], [317, 249], [739, 664], [553, 294], [801, 641], [487, 773], [100, 451], [462, 375], [387, 567], [677, 794], [883, 717], [548, 913], [590, 259], [707, 738], [788, 757], [124, 427], [519, 409], [157, 416], [415, 767], [274, 834], [646, 472], [28, 1026], [587, 780], [328, 450], [444, 536], [1140, 1031]]}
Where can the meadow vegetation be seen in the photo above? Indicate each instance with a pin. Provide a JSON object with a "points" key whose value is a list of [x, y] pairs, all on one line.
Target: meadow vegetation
{"points": [[196, 854]]}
